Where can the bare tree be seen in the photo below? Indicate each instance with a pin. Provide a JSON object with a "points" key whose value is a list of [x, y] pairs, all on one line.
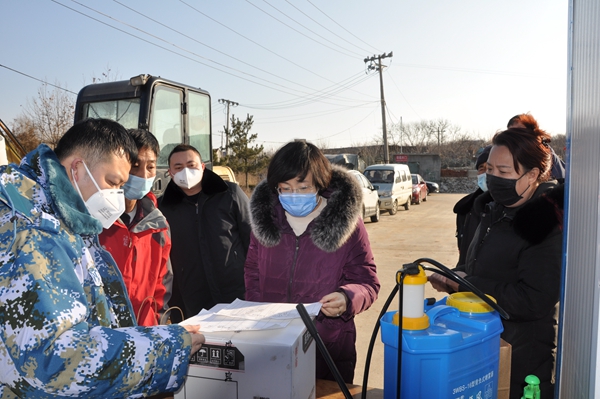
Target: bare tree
{"points": [[559, 145], [24, 131], [417, 135], [108, 75], [50, 114]]}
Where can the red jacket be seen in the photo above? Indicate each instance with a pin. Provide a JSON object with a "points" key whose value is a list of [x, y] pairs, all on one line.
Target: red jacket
{"points": [[142, 254], [333, 254]]}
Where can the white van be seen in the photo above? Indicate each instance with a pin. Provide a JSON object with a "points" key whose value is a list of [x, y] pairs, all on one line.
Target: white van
{"points": [[393, 183]]}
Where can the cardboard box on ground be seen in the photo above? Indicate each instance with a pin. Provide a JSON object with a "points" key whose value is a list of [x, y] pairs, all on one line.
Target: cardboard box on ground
{"points": [[504, 370]]}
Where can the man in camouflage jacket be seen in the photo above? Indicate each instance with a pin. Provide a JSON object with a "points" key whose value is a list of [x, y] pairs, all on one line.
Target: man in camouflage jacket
{"points": [[67, 324]]}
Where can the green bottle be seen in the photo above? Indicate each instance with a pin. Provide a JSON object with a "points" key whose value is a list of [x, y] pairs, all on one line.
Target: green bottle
{"points": [[532, 390]]}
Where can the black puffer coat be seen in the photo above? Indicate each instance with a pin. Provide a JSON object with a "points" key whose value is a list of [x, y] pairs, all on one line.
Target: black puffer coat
{"points": [[210, 233], [467, 221], [516, 257]]}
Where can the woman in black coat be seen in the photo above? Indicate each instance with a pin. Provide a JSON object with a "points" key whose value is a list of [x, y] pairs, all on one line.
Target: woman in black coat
{"points": [[516, 254]]}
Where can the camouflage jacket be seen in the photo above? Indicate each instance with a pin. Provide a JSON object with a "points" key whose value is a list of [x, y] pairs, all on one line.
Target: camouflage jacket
{"points": [[68, 328]]}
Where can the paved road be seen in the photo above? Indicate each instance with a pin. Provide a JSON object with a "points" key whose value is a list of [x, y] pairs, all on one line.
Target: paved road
{"points": [[424, 231]]}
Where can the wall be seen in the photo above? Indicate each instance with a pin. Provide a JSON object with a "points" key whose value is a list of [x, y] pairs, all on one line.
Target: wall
{"points": [[579, 357], [427, 165]]}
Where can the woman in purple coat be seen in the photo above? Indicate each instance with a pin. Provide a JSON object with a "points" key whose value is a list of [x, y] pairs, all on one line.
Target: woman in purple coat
{"points": [[309, 244]]}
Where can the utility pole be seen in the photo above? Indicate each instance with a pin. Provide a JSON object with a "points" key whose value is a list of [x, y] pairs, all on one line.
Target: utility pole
{"points": [[401, 128], [378, 67], [233, 104]]}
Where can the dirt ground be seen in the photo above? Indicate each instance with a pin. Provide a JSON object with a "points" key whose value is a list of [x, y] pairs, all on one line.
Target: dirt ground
{"points": [[424, 231]]}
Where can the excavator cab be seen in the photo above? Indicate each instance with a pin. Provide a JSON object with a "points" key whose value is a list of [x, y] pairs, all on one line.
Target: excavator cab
{"points": [[11, 150], [175, 113]]}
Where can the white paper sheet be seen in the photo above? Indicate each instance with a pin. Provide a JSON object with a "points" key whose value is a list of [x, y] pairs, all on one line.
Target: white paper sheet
{"points": [[260, 310], [245, 316]]}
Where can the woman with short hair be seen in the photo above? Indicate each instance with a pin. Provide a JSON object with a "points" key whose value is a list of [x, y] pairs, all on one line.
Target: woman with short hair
{"points": [[309, 244]]}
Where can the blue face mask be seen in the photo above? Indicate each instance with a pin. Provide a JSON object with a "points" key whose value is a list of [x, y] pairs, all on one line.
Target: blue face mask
{"points": [[298, 205], [481, 182], [136, 187]]}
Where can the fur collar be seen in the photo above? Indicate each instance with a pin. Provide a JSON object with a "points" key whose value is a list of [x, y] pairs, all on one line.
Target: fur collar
{"points": [[42, 166], [329, 231], [465, 204], [534, 220], [539, 216]]}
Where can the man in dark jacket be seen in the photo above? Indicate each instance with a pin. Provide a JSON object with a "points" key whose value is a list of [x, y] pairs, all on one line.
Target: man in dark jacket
{"points": [[210, 229], [467, 219]]}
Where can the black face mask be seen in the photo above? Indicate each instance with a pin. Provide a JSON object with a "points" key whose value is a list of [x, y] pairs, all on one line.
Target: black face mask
{"points": [[504, 191]]}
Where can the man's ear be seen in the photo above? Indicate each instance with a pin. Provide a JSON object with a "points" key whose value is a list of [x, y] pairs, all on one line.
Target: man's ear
{"points": [[74, 173], [203, 166]]}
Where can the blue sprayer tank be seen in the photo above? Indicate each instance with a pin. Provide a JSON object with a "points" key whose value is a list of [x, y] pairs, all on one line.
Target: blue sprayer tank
{"points": [[455, 357]]}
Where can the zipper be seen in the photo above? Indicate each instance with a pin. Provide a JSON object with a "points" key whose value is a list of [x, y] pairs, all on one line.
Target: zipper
{"points": [[289, 293]]}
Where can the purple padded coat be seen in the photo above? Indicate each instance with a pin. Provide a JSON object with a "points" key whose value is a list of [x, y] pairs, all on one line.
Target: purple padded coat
{"points": [[333, 254]]}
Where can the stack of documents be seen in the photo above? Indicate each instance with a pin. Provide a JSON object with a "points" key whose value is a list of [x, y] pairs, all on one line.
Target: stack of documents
{"points": [[247, 316]]}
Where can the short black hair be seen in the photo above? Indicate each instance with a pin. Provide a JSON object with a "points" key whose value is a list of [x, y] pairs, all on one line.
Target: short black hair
{"points": [[144, 139], [296, 159], [183, 148], [97, 140]]}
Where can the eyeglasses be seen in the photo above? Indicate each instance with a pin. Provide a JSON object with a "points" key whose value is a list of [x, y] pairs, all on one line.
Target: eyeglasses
{"points": [[301, 190]]}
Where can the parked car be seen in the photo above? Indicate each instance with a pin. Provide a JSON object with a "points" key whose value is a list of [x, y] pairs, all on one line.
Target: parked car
{"points": [[419, 189], [392, 181], [370, 206], [432, 187]]}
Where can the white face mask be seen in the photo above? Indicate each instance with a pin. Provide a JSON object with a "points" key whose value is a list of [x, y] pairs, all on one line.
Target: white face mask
{"points": [[105, 205], [188, 178]]}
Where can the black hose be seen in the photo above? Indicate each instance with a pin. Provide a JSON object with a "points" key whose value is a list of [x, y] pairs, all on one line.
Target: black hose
{"points": [[400, 283], [372, 341], [315, 334], [446, 272]]}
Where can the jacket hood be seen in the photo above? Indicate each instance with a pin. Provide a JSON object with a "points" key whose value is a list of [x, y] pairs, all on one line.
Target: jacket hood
{"points": [[329, 231], [43, 166], [212, 184], [152, 219]]}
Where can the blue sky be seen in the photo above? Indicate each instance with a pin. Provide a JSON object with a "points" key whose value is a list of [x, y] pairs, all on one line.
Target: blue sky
{"points": [[297, 65]]}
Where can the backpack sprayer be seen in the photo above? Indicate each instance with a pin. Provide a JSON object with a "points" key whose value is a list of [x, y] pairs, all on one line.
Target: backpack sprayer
{"points": [[451, 347], [440, 338]]}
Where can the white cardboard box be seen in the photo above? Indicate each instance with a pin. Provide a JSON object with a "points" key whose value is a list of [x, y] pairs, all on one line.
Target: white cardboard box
{"points": [[268, 364]]}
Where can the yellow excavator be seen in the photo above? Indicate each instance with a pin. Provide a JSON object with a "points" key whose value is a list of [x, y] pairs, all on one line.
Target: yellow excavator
{"points": [[10, 148]]}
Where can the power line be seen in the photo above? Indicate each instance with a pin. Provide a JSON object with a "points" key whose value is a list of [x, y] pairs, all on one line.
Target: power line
{"points": [[39, 80], [332, 20], [181, 55], [254, 42], [304, 101], [295, 30], [324, 27], [402, 94], [208, 46], [316, 114]]}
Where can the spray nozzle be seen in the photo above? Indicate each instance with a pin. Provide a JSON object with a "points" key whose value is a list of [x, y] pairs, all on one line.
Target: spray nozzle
{"points": [[410, 268]]}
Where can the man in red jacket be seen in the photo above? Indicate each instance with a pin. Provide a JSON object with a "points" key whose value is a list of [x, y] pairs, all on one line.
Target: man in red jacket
{"points": [[140, 240]]}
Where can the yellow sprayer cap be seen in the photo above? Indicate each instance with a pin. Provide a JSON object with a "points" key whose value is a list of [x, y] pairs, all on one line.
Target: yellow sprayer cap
{"points": [[468, 302], [410, 323], [416, 279]]}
